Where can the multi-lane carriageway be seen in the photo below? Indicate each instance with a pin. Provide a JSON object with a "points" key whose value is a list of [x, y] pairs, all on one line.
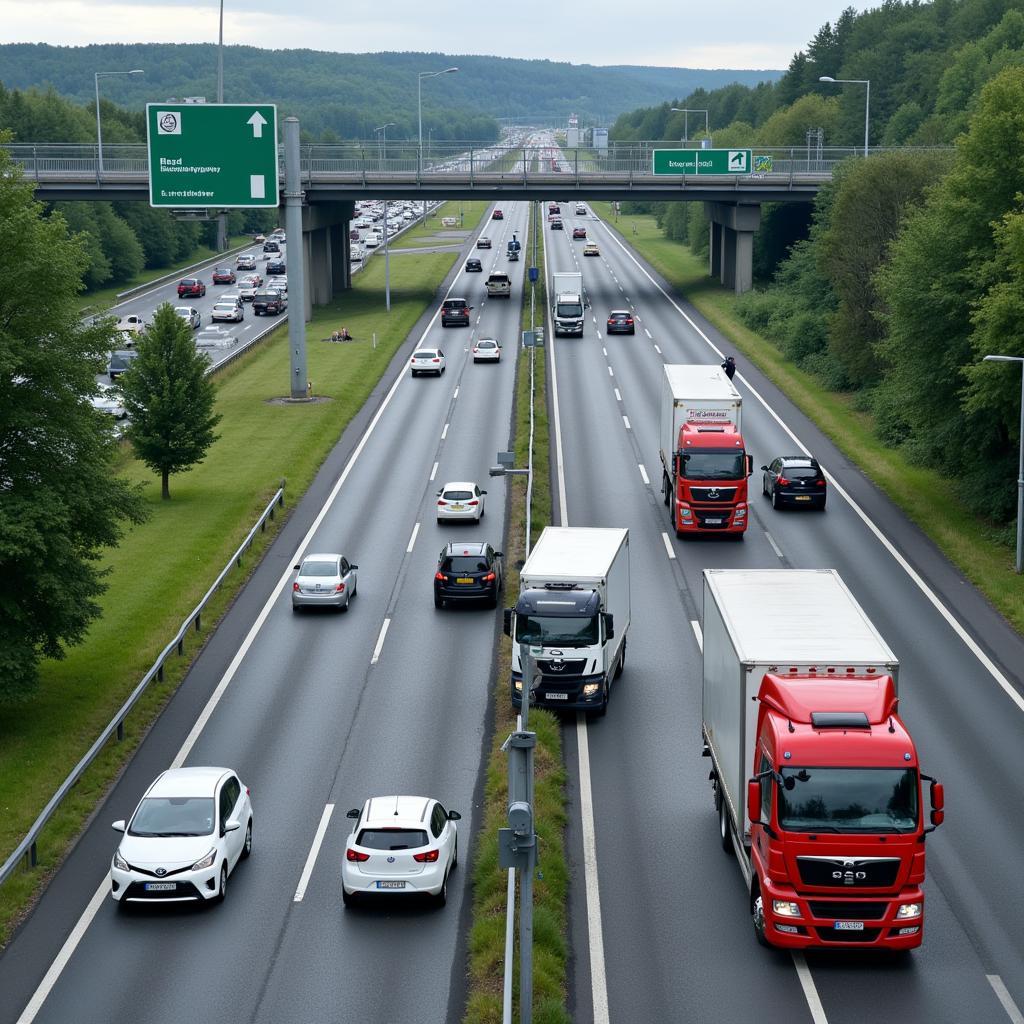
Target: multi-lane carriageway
{"points": [[317, 712]]}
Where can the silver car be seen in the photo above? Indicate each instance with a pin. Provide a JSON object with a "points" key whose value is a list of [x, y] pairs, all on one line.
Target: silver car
{"points": [[324, 581]]}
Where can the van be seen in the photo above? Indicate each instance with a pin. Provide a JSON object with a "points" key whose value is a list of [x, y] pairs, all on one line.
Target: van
{"points": [[499, 286]]}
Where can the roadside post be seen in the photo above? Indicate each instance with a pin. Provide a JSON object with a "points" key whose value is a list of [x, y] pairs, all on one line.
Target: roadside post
{"points": [[296, 253]]}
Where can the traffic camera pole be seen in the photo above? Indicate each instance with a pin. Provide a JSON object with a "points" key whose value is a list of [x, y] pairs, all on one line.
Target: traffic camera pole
{"points": [[296, 256]]}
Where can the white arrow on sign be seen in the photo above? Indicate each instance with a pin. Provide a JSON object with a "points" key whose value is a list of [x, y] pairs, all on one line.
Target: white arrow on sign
{"points": [[257, 121], [737, 161]]}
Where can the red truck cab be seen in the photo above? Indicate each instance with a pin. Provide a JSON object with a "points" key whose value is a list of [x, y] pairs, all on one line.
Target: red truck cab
{"points": [[710, 473], [837, 833]]}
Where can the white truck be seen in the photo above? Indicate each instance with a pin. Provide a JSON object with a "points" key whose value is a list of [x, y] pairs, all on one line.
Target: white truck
{"points": [[567, 303], [573, 611]]}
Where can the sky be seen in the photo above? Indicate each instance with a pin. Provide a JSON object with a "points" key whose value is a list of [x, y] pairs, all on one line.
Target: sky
{"points": [[702, 34]]}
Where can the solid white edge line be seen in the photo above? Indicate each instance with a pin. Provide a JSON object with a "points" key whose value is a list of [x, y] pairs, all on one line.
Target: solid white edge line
{"points": [[625, 420], [933, 598], [803, 972], [668, 546], [695, 626], [775, 547], [433, 472], [1004, 997], [643, 474], [412, 539], [314, 852], [380, 641]]}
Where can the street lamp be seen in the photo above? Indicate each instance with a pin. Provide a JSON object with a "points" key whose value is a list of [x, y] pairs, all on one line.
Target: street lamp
{"points": [[1020, 468], [419, 107], [99, 131], [867, 99], [686, 112], [384, 147], [383, 129], [222, 219]]}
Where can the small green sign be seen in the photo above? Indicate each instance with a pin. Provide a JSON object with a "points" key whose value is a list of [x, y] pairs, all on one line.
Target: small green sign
{"points": [[212, 154], [702, 161]]}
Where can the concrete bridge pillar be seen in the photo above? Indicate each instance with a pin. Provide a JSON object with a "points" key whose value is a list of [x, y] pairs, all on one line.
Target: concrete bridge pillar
{"points": [[732, 246], [341, 269], [715, 250], [325, 229]]}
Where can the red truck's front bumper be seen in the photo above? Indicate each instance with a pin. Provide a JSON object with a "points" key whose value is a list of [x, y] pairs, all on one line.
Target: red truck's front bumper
{"points": [[705, 519]]}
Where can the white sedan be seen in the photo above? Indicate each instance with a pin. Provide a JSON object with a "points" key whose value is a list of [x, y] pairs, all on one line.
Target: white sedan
{"points": [[228, 311], [460, 500], [486, 350], [400, 844], [187, 835], [427, 360], [109, 400]]}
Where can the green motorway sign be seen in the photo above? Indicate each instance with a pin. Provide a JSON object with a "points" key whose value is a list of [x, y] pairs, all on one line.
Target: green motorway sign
{"points": [[212, 154], [702, 161]]}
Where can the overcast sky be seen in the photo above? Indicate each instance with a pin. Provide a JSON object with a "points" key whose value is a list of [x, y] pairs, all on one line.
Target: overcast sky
{"points": [[717, 34]]}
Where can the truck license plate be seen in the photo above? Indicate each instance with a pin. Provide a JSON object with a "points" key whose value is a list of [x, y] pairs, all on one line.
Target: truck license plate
{"points": [[556, 696], [713, 522], [849, 926]]}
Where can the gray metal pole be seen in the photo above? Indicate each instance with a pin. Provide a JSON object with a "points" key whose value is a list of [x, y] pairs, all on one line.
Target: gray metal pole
{"points": [[387, 262], [99, 130], [526, 930], [222, 218], [296, 256], [419, 112], [1020, 481], [867, 115]]}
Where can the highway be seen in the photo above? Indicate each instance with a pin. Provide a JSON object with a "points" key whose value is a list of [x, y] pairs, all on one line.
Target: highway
{"points": [[674, 924], [316, 711]]}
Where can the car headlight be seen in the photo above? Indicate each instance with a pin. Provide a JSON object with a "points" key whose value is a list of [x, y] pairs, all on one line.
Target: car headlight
{"points": [[786, 908], [589, 689], [206, 862], [908, 910], [121, 864]]}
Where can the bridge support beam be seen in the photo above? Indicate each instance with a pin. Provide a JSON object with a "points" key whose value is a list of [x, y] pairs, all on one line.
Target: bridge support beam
{"points": [[325, 229], [732, 243]]}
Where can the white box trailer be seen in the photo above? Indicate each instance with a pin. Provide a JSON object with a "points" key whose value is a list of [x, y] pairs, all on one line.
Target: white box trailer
{"points": [[567, 303], [699, 393], [801, 622]]}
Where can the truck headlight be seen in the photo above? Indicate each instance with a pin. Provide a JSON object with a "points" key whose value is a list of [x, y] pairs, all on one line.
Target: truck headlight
{"points": [[786, 908], [518, 684], [589, 689], [740, 513], [206, 862], [908, 910], [685, 513], [119, 862]]}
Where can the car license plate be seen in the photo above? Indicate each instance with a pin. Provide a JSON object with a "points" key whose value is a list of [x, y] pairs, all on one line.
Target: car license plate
{"points": [[849, 926], [457, 508], [391, 885], [464, 579], [713, 522], [803, 497], [556, 696], [161, 886]]}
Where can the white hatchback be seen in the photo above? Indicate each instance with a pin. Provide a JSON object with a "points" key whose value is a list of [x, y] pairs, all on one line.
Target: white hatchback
{"points": [[400, 844], [486, 350], [188, 833], [427, 360], [460, 500]]}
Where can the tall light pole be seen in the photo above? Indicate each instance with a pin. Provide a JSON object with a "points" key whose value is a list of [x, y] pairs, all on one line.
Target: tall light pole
{"points": [[99, 131], [384, 144], [383, 129], [1020, 467], [419, 108], [686, 112], [222, 219], [867, 99]]}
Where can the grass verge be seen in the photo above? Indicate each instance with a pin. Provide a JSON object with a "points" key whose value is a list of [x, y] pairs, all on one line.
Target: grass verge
{"points": [[426, 234], [162, 568], [926, 497], [487, 937]]}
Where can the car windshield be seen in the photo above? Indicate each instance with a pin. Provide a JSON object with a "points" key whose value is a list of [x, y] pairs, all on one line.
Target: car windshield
{"points": [[465, 563], [551, 630], [173, 816], [569, 309], [392, 838], [800, 472], [714, 465], [848, 799], [319, 568]]}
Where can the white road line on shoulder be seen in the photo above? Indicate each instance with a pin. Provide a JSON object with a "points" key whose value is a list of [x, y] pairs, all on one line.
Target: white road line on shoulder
{"points": [[456, 395], [433, 472], [625, 421], [444, 433], [775, 547], [803, 972], [668, 546], [695, 626], [412, 539], [611, 372], [1004, 997], [380, 641], [604, 350], [658, 350], [618, 397], [648, 333], [314, 852], [643, 474]]}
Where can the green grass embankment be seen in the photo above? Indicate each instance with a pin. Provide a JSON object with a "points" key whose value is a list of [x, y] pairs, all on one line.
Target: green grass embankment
{"points": [[427, 234]]}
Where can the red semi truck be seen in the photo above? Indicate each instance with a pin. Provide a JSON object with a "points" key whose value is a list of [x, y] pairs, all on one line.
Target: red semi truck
{"points": [[816, 779], [704, 461]]}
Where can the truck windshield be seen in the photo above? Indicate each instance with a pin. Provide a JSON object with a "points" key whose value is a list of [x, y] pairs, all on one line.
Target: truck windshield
{"points": [[569, 309], [556, 631], [728, 465], [848, 799]]}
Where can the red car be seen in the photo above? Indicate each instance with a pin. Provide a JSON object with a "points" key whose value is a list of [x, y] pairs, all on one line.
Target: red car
{"points": [[223, 275], [497, 215], [579, 232], [191, 287]]}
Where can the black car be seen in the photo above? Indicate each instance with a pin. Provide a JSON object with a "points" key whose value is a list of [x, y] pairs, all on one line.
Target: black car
{"points": [[794, 480], [474, 267], [271, 246], [455, 313], [468, 572], [556, 225], [276, 267], [269, 303], [620, 321]]}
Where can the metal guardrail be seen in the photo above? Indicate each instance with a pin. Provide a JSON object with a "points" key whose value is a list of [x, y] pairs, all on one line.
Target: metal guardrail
{"points": [[181, 272], [26, 849]]}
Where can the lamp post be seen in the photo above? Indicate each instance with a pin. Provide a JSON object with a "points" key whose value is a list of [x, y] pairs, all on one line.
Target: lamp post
{"points": [[1020, 467], [222, 218], [99, 131], [686, 112], [383, 140], [419, 109], [383, 129], [867, 99]]}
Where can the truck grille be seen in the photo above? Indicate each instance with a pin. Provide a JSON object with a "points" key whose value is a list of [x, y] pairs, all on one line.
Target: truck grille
{"points": [[848, 910], [560, 669], [715, 495], [849, 872], [717, 519]]}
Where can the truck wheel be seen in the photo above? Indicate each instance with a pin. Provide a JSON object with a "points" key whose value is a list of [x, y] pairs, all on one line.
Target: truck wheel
{"points": [[622, 661], [665, 491], [757, 916], [603, 709], [724, 833]]}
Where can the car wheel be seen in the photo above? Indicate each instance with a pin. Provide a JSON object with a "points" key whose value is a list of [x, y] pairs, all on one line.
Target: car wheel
{"points": [[775, 498], [247, 845], [822, 505], [355, 587], [455, 855], [348, 599], [764, 487], [222, 892], [347, 898], [442, 897], [438, 601]]}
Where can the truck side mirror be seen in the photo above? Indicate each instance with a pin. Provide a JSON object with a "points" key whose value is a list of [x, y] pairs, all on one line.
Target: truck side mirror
{"points": [[750, 465], [754, 801], [938, 796], [506, 625], [609, 626]]}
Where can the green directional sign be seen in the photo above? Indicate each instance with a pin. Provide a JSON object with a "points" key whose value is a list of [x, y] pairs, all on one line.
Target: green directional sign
{"points": [[212, 154], [702, 161]]}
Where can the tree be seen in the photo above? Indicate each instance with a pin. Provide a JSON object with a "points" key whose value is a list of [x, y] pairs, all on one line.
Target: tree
{"points": [[169, 398], [61, 503]]}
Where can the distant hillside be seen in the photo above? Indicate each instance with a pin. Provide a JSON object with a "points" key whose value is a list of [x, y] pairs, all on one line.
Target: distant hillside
{"points": [[350, 94]]}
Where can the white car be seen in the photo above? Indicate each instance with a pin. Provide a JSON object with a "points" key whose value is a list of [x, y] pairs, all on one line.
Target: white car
{"points": [[188, 833], [109, 401], [248, 287], [190, 315], [325, 581], [215, 336], [486, 350], [228, 311], [400, 844], [427, 360], [460, 500], [371, 241]]}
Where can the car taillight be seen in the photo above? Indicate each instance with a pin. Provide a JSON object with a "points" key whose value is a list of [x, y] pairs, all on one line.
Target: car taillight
{"points": [[339, 588], [820, 483], [426, 858], [435, 360], [629, 320], [473, 502], [295, 586], [439, 576], [441, 501], [355, 856], [783, 481], [490, 578]]}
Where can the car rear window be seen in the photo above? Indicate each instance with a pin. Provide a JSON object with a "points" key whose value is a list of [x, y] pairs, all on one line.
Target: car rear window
{"points": [[465, 563], [427, 353], [319, 569], [392, 838], [486, 344], [454, 304], [458, 495], [800, 472], [620, 316]]}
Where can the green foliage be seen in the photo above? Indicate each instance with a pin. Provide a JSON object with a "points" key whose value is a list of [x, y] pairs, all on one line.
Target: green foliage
{"points": [[60, 502], [170, 398]]}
